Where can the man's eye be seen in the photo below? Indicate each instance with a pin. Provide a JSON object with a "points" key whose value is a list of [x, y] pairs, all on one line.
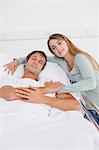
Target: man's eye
{"points": [[59, 43], [40, 62]]}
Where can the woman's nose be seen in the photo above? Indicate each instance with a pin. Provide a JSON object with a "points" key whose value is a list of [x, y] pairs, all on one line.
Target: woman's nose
{"points": [[59, 48]]}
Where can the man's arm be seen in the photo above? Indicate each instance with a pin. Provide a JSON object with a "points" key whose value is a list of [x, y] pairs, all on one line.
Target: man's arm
{"points": [[8, 93], [60, 101]]}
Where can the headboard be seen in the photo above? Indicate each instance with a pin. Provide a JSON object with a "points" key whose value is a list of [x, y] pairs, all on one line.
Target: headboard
{"points": [[20, 43]]}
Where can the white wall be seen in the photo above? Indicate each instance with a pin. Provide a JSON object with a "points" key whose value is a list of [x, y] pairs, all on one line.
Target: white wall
{"points": [[20, 20], [22, 15]]}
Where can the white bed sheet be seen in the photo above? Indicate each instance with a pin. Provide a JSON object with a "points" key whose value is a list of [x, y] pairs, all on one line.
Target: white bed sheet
{"points": [[26, 126], [31, 127]]}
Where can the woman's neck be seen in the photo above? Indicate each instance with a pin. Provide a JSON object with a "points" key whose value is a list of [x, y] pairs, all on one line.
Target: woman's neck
{"points": [[69, 58], [70, 61]]}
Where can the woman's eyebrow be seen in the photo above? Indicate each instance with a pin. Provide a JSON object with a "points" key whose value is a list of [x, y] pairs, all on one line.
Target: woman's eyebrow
{"points": [[55, 43], [33, 56], [53, 46]]}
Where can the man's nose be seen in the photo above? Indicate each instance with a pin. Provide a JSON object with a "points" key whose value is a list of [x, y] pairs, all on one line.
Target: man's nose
{"points": [[36, 62]]}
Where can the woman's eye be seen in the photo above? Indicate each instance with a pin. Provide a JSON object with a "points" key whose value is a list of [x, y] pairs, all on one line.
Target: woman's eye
{"points": [[53, 48], [33, 58]]}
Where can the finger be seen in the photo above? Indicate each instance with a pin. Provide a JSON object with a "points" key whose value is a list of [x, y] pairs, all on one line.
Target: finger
{"points": [[5, 69], [21, 92], [13, 71], [46, 83], [33, 88], [6, 65], [24, 89], [24, 100], [22, 96], [9, 71]]}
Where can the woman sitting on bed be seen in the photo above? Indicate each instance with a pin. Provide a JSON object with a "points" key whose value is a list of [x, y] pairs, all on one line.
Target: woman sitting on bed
{"points": [[81, 68]]}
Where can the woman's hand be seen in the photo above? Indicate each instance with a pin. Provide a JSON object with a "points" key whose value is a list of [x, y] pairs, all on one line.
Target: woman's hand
{"points": [[53, 86], [12, 66], [29, 95]]}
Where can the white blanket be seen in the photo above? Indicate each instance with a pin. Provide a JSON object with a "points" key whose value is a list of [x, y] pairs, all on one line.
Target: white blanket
{"points": [[25, 126]]}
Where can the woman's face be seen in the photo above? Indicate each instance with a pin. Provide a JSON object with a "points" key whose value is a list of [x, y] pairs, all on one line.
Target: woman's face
{"points": [[59, 47]]}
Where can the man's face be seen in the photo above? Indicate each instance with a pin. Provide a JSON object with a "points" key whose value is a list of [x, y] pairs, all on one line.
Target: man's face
{"points": [[35, 63]]}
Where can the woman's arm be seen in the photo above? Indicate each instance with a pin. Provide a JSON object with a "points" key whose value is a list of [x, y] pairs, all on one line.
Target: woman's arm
{"points": [[21, 60], [13, 65], [88, 76], [87, 82]]}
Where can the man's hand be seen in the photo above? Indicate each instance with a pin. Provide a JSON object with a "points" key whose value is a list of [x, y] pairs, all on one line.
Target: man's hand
{"points": [[8, 93], [30, 95]]}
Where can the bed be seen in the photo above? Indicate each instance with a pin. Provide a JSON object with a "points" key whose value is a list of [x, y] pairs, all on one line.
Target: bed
{"points": [[25, 126]]}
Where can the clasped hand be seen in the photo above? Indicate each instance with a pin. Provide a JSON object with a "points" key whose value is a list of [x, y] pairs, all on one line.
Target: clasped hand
{"points": [[35, 94], [32, 94]]}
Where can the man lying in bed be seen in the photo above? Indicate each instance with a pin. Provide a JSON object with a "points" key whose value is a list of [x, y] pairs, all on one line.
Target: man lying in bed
{"points": [[35, 63]]}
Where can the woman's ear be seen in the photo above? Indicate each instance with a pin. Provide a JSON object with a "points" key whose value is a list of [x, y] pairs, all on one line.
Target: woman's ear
{"points": [[26, 60]]}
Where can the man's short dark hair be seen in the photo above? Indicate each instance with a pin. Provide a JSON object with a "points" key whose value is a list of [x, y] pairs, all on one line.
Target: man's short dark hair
{"points": [[40, 52]]}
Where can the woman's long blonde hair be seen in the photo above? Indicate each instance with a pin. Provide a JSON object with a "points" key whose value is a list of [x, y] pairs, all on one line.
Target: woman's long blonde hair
{"points": [[73, 49]]}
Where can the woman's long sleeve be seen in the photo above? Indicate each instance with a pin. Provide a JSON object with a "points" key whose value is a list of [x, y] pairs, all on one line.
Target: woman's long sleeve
{"points": [[49, 58], [88, 76], [21, 60]]}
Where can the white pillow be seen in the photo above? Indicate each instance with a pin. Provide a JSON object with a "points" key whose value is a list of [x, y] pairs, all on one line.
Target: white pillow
{"points": [[51, 72]]}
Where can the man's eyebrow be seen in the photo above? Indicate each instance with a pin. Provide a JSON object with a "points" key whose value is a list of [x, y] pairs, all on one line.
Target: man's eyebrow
{"points": [[58, 41], [42, 61]]}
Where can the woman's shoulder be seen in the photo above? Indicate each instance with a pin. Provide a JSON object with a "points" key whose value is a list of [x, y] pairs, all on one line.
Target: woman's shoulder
{"points": [[82, 61], [80, 58]]}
